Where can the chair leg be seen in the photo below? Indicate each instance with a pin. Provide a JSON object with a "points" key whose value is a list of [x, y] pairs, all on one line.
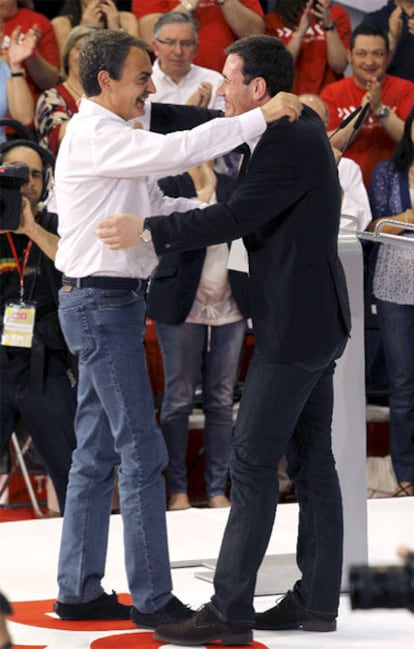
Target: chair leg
{"points": [[25, 473]]}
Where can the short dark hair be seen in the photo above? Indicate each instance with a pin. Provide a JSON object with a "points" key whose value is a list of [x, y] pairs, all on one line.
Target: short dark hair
{"points": [[266, 57], [404, 152], [369, 30], [175, 18], [105, 50]]}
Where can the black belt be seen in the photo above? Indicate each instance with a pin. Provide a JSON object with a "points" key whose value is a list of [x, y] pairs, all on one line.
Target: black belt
{"points": [[100, 281]]}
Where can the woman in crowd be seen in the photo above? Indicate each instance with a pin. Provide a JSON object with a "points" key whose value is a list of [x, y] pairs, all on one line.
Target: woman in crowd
{"points": [[317, 35], [56, 106], [100, 13], [15, 97], [392, 197]]}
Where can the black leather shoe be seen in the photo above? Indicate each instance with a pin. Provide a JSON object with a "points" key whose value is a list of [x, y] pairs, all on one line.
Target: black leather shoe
{"points": [[203, 628], [105, 607], [173, 612], [5, 606], [290, 614]]}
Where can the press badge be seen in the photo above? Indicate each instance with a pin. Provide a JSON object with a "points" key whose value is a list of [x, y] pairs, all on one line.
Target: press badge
{"points": [[18, 324]]}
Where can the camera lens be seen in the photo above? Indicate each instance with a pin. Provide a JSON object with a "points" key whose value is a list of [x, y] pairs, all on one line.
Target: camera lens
{"points": [[381, 587]]}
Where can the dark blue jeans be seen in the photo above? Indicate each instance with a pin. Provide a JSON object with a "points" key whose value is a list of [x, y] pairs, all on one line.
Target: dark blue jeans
{"points": [[285, 408], [187, 353], [115, 425], [397, 332]]}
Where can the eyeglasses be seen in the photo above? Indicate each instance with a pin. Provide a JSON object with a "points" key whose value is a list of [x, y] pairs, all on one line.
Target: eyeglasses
{"points": [[168, 42]]}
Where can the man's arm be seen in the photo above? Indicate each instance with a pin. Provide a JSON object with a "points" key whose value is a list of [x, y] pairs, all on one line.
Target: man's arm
{"points": [[46, 241], [241, 20], [250, 207]]}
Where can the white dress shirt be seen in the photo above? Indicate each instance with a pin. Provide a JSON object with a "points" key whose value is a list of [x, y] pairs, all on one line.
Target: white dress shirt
{"points": [[105, 166], [355, 208], [178, 93]]}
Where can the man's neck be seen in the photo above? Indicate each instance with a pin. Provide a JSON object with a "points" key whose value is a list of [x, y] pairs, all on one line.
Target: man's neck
{"points": [[176, 78]]}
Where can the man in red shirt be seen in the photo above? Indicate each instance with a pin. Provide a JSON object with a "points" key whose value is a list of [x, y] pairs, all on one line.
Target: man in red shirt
{"points": [[42, 68], [221, 22], [390, 100]]}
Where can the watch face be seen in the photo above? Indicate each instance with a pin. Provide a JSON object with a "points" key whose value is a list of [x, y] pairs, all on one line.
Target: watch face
{"points": [[383, 112], [146, 235]]}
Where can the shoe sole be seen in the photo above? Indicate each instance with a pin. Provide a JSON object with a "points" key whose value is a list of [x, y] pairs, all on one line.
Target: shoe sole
{"points": [[320, 626], [224, 640]]}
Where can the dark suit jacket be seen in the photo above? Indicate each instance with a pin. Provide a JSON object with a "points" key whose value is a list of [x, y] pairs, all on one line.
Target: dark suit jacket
{"points": [[174, 284], [166, 118], [289, 205]]}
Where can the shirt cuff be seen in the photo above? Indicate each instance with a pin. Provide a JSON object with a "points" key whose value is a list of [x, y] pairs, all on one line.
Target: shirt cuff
{"points": [[252, 124]]}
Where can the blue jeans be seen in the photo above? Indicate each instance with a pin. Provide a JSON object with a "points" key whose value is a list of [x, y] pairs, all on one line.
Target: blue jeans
{"points": [[285, 408], [397, 332], [188, 353], [114, 425]]}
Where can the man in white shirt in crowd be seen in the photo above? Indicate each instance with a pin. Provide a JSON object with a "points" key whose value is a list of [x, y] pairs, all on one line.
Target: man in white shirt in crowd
{"points": [[105, 166], [177, 80]]}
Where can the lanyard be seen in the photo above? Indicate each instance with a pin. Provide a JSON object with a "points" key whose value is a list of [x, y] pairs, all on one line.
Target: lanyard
{"points": [[21, 267]]}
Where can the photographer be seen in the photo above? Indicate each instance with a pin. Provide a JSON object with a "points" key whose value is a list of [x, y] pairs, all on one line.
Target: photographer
{"points": [[37, 383]]}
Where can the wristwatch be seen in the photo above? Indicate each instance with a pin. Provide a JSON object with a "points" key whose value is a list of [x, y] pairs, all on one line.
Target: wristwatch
{"points": [[146, 235], [383, 111], [146, 232]]}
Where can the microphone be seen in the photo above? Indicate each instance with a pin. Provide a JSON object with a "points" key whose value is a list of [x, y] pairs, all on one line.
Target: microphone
{"points": [[346, 121], [358, 122], [361, 117]]}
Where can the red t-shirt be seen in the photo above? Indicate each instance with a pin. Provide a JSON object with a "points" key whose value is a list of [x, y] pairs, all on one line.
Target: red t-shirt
{"points": [[47, 46], [312, 70], [214, 33], [372, 143]]}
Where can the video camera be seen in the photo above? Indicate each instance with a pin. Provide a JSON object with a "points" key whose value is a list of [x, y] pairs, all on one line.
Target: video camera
{"points": [[383, 586], [12, 177]]}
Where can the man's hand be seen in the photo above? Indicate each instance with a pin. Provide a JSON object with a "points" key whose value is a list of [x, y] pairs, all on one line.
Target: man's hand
{"points": [[201, 97], [120, 231], [284, 104], [27, 220], [373, 95]]}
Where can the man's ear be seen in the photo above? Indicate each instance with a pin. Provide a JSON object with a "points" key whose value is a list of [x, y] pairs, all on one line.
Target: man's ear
{"points": [[349, 55], [259, 88], [104, 79], [155, 48]]}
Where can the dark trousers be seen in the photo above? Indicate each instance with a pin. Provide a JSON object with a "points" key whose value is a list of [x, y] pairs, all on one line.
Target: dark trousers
{"points": [[285, 408], [48, 418]]}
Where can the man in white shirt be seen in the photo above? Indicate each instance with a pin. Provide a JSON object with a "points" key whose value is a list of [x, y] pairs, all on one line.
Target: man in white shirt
{"points": [[105, 165], [177, 79]]}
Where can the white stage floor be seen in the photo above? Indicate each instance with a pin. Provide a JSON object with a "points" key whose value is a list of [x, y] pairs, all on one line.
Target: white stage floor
{"points": [[28, 556]]}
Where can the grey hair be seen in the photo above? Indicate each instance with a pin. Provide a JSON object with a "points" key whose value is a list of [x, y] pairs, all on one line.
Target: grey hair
{"points": [[175, 18]]}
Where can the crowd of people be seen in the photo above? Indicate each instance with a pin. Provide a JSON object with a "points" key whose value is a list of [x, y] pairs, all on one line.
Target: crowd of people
{"points": [[163, 67]]}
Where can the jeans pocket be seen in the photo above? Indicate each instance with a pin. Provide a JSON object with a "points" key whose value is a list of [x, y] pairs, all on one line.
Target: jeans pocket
{"points": [[75, 327]]}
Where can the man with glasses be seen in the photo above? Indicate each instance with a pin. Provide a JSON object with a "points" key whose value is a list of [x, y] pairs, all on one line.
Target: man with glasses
{"points": [[221, 22], [390, 100], [176, 78]]}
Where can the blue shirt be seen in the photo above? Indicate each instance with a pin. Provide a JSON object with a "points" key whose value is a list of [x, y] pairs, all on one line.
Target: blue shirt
{"points": [[4, 108]]}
